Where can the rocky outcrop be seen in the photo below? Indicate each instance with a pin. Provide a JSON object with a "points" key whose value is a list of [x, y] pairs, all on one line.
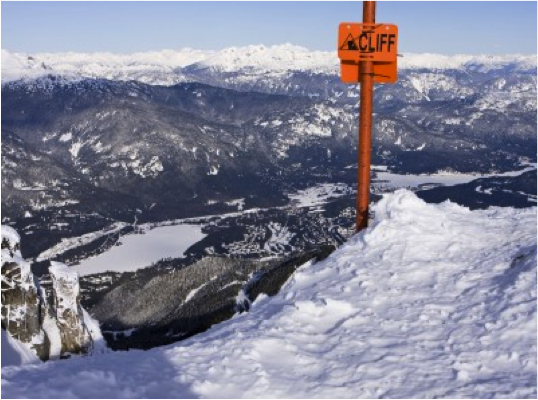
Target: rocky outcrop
{"points": [[22, 305], [46, 318]]}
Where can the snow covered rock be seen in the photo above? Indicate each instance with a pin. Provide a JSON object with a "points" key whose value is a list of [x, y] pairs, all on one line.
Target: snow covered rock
{"points": [[51, 323], [21, 300], [66, 310]]}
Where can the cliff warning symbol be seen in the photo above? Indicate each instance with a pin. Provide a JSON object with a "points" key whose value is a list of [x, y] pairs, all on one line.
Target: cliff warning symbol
{"points": [[349, 43]]}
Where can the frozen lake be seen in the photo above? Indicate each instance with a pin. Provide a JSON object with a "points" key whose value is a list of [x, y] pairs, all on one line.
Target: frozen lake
{"points": [[139, 251], [395, 181]]}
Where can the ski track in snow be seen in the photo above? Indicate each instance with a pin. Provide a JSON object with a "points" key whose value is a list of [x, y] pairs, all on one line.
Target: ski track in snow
{"points": [[430, 301]]}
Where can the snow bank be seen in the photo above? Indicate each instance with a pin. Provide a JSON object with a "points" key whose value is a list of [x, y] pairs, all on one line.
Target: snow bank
{"points": [[15, 352], [431, 301]]}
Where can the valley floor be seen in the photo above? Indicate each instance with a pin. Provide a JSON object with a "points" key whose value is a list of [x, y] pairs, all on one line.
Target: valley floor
{"points": [[431, 301]]}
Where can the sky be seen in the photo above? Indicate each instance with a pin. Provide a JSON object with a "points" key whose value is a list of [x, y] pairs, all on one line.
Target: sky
{"points": [[125, 27]]}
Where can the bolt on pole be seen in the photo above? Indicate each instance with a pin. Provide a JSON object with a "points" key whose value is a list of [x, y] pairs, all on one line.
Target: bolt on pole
{"points": [[365, 127]]}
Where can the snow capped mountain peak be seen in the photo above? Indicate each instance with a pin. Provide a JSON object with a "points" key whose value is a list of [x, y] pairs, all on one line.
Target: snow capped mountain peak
{"points": [[272, 58], [166, 67], [19, 66], [479, 62]]}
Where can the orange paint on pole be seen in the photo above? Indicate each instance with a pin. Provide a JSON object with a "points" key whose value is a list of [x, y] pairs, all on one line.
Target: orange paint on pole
{"points": [[368, 53], [366, 77]]}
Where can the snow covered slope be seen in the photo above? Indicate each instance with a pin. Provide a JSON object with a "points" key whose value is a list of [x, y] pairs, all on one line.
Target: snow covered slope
{"points": [[431, 301], [168, 67]]}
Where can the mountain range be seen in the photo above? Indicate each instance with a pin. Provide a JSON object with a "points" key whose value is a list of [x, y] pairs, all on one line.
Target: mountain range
{"points": [[256, 146]]}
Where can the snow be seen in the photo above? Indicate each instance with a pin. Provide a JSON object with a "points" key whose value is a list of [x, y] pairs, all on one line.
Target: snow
{"points": [[430, 301], [14, 256], [54, 335], [279, 239], [213, 170], [19, 66], [150, 169], [63, 276], [139, 251], [280, 58], [418, 84], [66, 137], [239, 203], [319, 194], [67, 294], [485, 62], [15, 352], [75, 148], [99, 343], [11, 235], [193, 292], [71, 243]]}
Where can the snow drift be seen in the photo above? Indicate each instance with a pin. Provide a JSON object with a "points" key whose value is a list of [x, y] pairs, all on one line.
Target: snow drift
{"points": [[430, 301], [15, 352]]}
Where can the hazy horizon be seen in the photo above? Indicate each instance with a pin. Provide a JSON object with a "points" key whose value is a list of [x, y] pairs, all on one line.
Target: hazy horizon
{"points": [[186, 48]]}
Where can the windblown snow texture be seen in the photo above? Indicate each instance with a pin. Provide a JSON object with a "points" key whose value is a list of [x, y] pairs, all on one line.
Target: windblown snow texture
{"points": [[430, 301]]}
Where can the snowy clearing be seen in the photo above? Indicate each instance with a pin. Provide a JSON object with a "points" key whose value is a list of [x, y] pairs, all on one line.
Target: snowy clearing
{"points": [[139, 251], [431, 301], [320, 194]]}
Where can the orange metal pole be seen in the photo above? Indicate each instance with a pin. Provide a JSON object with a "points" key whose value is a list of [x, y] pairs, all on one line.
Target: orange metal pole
{"points": [[365, 127]]}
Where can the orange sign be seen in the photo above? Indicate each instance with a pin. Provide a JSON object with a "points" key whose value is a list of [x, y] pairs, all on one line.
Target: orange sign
{"points": [[368, 42], [384, 72]]}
